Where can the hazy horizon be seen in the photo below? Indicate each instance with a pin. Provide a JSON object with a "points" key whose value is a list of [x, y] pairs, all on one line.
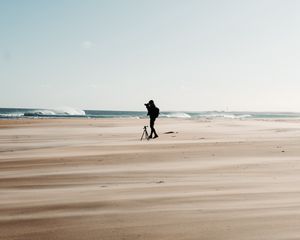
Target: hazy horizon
{"points": [[117, 55]]}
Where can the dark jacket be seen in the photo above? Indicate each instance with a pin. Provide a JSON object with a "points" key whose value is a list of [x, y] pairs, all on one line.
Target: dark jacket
{"points": [[153, 111]]}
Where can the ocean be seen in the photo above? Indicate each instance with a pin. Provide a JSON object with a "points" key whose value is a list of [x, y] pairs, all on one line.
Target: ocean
{"points": [[14, 113]]}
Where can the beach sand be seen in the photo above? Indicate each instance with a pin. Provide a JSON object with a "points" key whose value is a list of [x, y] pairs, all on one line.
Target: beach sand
{"points": [[71, 179]]}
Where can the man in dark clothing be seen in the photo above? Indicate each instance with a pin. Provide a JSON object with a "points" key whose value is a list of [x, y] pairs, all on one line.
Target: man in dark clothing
{"points": [[153, 113]]}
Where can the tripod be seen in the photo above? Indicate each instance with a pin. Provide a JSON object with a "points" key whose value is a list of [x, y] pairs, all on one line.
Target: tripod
{"points": [[145, 133]]}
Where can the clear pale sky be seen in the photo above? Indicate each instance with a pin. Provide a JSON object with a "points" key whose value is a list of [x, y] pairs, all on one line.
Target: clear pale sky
{"points": [[186, 55]]}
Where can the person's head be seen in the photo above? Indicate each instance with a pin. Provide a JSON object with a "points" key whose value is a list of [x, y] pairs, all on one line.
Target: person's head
{"points": [[151, 103]]}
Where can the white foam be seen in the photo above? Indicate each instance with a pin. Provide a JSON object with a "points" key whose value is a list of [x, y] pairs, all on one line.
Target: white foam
{"points": [[69, 111], [224, 115], [59, 111], [11, 115], [176, 115]]}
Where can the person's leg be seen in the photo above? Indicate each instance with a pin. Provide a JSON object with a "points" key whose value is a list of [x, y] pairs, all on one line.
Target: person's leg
{"points": [[155, 134], [152, 127]]}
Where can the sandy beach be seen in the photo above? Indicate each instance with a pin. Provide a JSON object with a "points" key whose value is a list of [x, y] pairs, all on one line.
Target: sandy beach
{"points": [[74, 179]]}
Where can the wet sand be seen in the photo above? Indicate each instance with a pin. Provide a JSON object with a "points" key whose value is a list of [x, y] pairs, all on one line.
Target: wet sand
{"points": [[70, 179]]}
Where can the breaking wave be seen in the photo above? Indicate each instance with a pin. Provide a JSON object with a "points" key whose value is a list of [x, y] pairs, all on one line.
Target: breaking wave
{"points": [[11, 115], [204, 115], [222, 115], [176, 115], [59, 112], [42, 113]]}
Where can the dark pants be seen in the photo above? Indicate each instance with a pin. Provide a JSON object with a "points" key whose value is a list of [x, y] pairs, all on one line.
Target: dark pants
{"points": [[152, 120]]}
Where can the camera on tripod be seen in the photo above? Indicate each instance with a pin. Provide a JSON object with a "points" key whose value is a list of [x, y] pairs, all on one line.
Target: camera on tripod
{"points": [[145, 133]]}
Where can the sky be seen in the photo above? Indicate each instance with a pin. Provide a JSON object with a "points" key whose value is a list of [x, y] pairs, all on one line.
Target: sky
{"points": [[233, 55]]}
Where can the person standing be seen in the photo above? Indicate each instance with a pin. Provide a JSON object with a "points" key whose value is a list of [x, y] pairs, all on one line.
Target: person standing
{"points": [[153, 113]]}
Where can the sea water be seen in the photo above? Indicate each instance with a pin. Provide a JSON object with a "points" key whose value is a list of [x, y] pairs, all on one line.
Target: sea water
{"points": [[8, 113]]}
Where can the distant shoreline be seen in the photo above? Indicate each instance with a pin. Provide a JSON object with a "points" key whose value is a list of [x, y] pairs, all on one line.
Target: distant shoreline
{"points": [[16, 113]]}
